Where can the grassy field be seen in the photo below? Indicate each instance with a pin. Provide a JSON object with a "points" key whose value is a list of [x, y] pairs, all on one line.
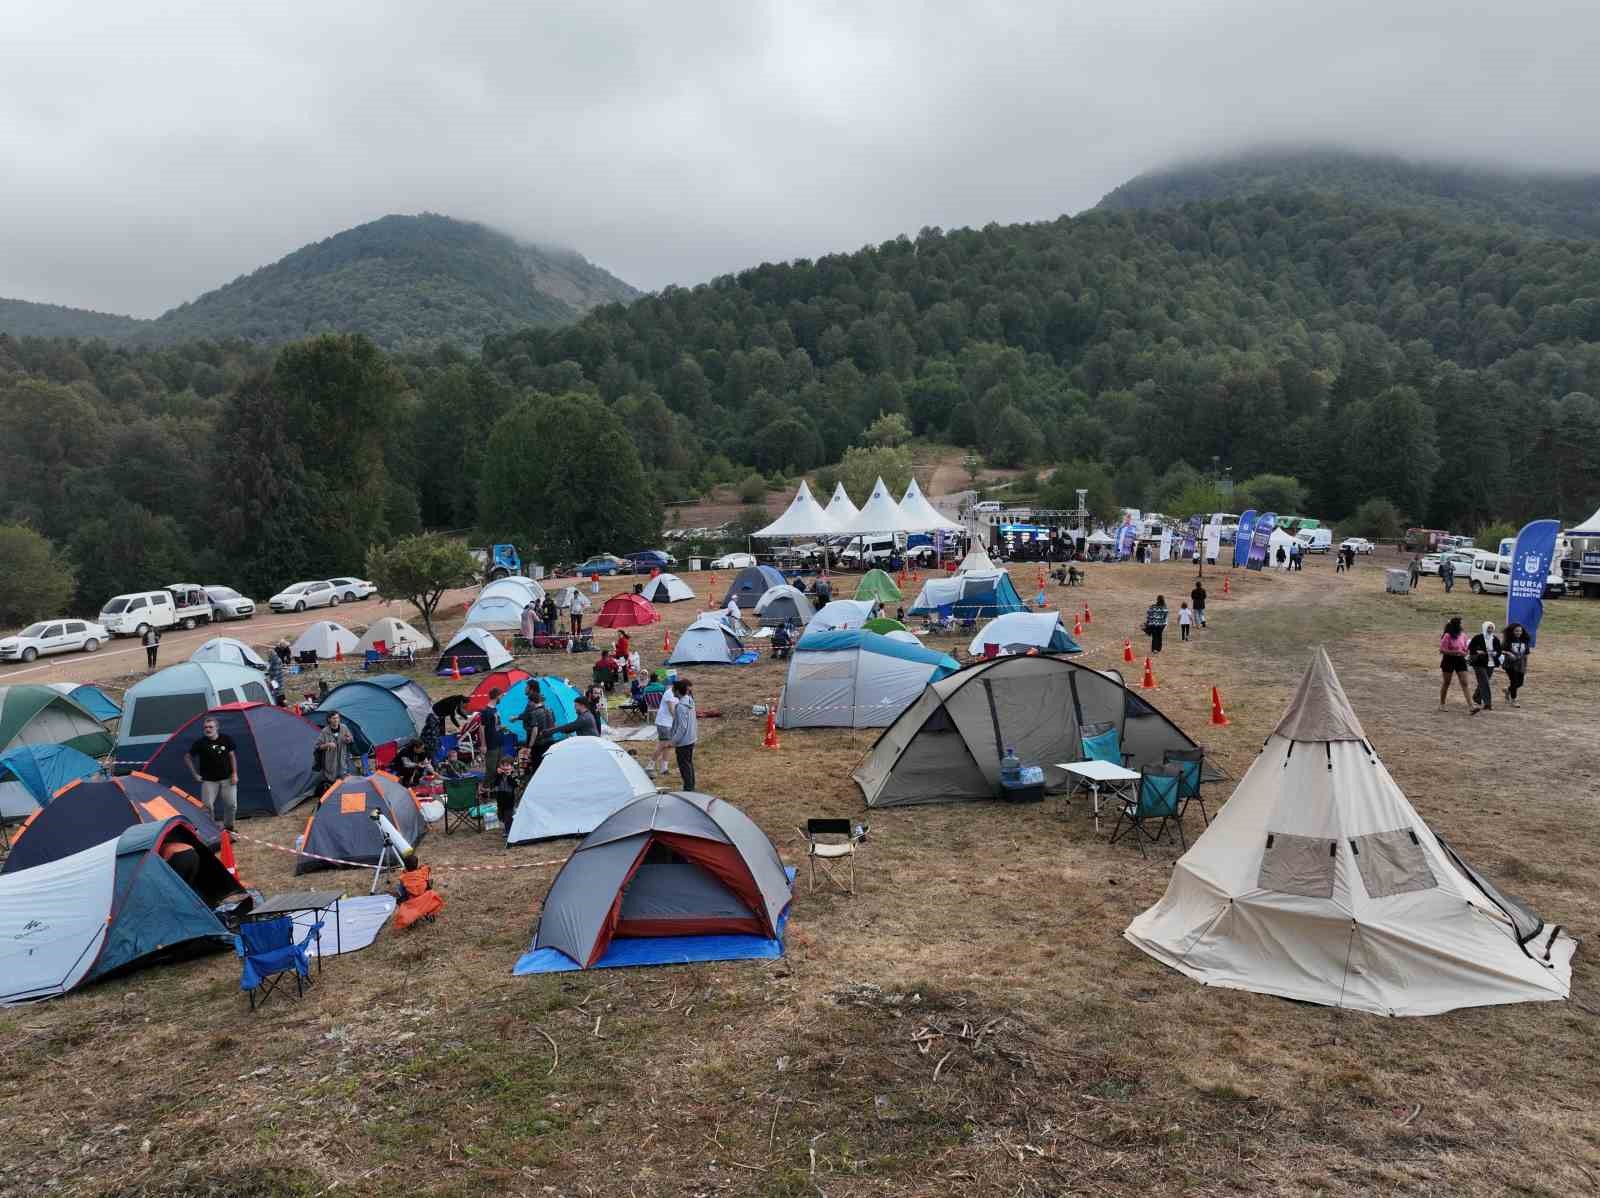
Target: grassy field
{"points": [[970, 1022]]}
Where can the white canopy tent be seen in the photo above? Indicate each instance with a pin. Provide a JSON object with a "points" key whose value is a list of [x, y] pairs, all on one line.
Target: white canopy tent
{"points": [[804, 517], [880, 514], [840, 510], [1100, 537], [922, 516], [1589, 528]]}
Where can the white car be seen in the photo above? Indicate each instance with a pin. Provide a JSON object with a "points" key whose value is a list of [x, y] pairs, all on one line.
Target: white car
{"points": [[228, 604], [1359, 544], [351, 589], [733, 561], [53, 636], [305, 594]]}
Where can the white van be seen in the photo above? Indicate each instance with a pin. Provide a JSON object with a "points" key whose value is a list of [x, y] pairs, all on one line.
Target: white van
{"points": [[1491, 575], [130, 615], [1315, 540]]}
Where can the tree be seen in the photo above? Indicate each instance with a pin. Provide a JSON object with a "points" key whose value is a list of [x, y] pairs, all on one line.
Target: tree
{"points": [[1092, 477], [1491, 534], [1197, 499], [862, 468], [1272, 493], [104, 567], [889, 429], [753, 489], [562, 474], [1377, 519], [420, 570], [1017, 439], [35, 580], [1135, 481]]}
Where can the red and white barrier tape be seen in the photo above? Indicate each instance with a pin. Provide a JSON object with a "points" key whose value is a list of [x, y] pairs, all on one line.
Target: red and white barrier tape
{"points": [[283, 848]]}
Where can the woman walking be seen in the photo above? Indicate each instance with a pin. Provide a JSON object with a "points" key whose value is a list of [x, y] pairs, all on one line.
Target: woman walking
{"points": [[685, 732], [1155, 622], [664, 713], [1516, 646], [1483, 655], [1453, 661]]}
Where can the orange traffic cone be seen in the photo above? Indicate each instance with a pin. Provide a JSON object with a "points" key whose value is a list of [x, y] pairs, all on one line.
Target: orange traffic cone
{"points": [[225, 855], [455, 669], [1218, 716], [1148, 683], [1127, 650], [338, 651], [901, 580], [1225, 580], [1088, 617], [1077, 627], [666, 640], [770, 740]]}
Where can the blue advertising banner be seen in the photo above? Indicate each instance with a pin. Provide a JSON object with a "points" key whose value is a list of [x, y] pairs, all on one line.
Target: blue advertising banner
{"points": [[1241, 537], [1125, 536], [1190, 536], [1530, 568], [1261, 540]]}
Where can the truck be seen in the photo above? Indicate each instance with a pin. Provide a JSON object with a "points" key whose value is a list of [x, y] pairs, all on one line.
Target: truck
{"points": [[1579, 549], [1425, 540], [498, 561]]}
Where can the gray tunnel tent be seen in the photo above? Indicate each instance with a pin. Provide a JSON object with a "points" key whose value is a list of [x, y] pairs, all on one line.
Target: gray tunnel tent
{"points": [[948, 744]]}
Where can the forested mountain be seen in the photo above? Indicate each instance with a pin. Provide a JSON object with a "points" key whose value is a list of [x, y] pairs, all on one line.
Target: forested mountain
{"points": [[403, 281], [1545, 203]]}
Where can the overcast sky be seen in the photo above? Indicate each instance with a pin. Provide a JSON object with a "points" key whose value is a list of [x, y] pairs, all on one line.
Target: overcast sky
{"points": [[149, 152]]}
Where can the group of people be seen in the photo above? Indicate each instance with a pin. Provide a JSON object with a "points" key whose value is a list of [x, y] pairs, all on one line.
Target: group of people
{"points": [[1291, 558], [1191, 615], [539, 619], [1483, 654], [1344, 558]]}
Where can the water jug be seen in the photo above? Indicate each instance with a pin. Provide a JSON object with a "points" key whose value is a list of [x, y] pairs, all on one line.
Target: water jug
{"points": [[1010, 766]]}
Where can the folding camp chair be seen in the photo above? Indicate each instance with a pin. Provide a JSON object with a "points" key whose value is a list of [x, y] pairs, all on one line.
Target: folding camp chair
{"points": [[268, 951], [306, 659], [827, 853], [1156, 799], [1192, 764], [940, 621], [1102, 742], [990, 650], [462, 804], [373, 660]]}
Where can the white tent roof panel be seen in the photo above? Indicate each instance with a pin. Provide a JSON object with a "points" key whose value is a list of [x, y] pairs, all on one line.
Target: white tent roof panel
{"points": [[804, 517]]}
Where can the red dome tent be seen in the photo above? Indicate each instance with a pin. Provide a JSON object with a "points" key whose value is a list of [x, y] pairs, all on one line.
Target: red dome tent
{"points": [[500, 680], [627, 611], [88, 812]]}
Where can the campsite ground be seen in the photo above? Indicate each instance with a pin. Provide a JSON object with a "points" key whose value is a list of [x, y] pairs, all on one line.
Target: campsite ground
{"points": [[970, 1022]]}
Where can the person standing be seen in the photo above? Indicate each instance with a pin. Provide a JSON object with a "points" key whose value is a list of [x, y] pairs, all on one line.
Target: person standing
{"points": [[685, 731], [1338, 562], [731, 615], [1447, 574], [1483, 655], [537, 723], [151, 640], [664, 714], [1185, 619], [547, 616], [1415, 570], [530, 621], [335, 751], [580, 604], [1198, 598], [489, 724], [1453, 661], [214, 761], [584, 722], [1155, 622], [1515, 647]]}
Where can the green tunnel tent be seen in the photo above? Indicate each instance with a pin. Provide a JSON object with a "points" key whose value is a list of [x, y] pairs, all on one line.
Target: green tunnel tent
{"points": [[947, 745], [41, 715]]}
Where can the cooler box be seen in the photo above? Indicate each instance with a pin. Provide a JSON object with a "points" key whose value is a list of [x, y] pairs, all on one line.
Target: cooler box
{"points": [[1029, 788]]}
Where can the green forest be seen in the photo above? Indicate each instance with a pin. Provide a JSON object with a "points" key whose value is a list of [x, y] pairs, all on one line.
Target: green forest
{"points": [[1367, 354]]}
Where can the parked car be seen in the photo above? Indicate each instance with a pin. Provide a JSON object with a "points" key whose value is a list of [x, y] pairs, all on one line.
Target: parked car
{"points": [[1314, 540], [1359, 544], [132, 614], [1430, 563], [1461, 561], [53, 636], [351, 589], [1491, 575], [643, 561], [192, 604], [228, 604], [303, 595], [602, 563], [733, 561]]}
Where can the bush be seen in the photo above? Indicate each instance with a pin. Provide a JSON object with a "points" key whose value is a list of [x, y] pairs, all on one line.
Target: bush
{"points": [[753, 489], [1491, 534], [1376, 519]]}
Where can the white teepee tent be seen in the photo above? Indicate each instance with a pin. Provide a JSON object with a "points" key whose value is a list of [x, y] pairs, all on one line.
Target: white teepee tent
{"points": [[1319, 881], [977, 561], [803, 517], [922, 516], [840, 510]]}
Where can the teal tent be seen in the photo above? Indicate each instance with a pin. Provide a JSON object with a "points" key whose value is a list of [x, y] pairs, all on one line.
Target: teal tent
{"points": [[30, 774]]}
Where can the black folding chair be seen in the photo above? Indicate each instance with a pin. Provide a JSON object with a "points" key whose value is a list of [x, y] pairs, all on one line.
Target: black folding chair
{"points": [[307, 659]]}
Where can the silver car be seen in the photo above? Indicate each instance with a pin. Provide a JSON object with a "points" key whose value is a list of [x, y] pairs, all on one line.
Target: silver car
{"points": [[228, 604]]}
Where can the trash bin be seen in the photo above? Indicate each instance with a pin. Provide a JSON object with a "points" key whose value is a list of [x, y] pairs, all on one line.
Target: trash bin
{"points": [[694, 565], [1397, 582]]}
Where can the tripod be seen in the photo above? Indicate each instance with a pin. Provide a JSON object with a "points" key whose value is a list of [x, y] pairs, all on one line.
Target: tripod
{"points": [[389, 849]]}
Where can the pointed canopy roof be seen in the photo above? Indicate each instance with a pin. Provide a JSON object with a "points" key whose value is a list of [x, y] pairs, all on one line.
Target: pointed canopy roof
{"points": [[880, 513], [804, 517], [922, 516], [1320, 711], [840, 510], [1589, 528], [977, 561]]}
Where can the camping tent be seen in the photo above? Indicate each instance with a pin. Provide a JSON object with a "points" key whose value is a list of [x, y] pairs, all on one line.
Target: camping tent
{"points": [[360, 744], [89, 697], [1318, 881], [580, 782], [626, 611], [381, 713], [92, 810], [230, 651], [560, 696], [410, 692], [565, 596], [341, 824], [30, 774], [875, 584], [273, 746], [803, 517], [922, 516], [499, 605], [667, 588], [972, 596], [707, 641], [855, 680], [840, 510], [842, 613], [328, 639], [751, 583], [677, 864], [904, 635], [781, 604], [473, 650], [41, 715], [104, 908], [156, 707], [1019, 631], [395, 635], [948, 744], [884, 625], [976, 562], [499, 680]]}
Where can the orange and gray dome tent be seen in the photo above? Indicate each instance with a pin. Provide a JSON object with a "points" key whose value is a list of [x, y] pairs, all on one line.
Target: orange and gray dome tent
{"points": [[342, 828], [92, 811]]}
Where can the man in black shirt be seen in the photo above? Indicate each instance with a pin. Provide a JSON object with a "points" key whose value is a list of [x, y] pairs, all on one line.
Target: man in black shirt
{"points": [[214, 762], [489, 721]]}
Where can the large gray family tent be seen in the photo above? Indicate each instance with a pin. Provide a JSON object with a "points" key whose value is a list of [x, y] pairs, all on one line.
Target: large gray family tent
{"points": [[672, 864], [750, 584], [783, 605], [107, 907], [948, 744]]}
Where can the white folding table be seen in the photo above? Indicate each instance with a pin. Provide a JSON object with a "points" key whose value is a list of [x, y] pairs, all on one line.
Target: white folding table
{"points": [[1098, 776]]}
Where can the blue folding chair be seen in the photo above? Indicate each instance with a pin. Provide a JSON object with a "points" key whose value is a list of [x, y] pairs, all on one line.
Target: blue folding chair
{"points": [[1191, 763], [1102, 742], [1156, 799], [268, 951]]}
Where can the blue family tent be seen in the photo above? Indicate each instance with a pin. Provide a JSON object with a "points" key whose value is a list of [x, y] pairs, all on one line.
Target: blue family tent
{"points": [[382, 710], [110, 906], [559, 696], [91, 698], [750, 584], [30, 774], [974, 596]]}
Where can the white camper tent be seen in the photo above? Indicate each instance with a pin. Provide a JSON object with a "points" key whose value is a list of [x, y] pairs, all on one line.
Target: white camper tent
{"points": [[327, 638], [580, 782], [397, 636], [229, 651], [1318, 881], [499, 605], [707, 641], [667, 588]]}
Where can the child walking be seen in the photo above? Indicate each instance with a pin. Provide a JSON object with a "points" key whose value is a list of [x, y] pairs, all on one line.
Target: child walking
{"points": [[1185, 620]]}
